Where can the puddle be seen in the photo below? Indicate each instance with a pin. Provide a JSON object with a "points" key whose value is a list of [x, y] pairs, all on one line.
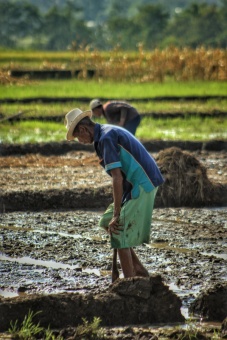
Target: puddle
{"points": [[185, 313], [165, 245], [92, 271], [8, 294], [76, 236], [15, 228], [221, 256], [29, 261]]}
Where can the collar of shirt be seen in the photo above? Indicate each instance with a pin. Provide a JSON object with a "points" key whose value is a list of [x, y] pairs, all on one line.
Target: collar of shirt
{"points": [[97, 133]]}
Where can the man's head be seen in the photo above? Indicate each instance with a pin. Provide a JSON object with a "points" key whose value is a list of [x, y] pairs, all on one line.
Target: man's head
{"points": [[79, 125], [96, 107]]}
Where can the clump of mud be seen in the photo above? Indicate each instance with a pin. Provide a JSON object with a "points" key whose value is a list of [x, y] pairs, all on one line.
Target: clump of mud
{"points": [[186, 181], [128, 301], [211, 303]]}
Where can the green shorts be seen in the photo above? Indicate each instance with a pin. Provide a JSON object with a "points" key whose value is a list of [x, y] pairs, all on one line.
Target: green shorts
{"points": [[135, 220]]}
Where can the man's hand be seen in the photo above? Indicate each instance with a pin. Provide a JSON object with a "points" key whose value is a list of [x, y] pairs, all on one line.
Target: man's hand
{"points": [[114, 226]]}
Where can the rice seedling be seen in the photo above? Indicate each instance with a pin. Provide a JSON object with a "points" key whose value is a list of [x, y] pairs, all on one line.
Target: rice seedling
{"points": [[192, 128], [40, 110], [29, 330], [90, 330], [111, 89]]}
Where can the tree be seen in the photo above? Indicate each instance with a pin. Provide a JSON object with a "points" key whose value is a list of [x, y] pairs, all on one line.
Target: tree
{"points": [[151, 21], [62, 27], [18, 20], [199, 24]]}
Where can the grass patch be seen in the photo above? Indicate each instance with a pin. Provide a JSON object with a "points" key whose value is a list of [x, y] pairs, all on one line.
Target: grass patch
{"points": [[90, 330], [40, 109], [120, 90], [191, 128], [209, 106], [32, 132], [28, 330], [58, 109]]}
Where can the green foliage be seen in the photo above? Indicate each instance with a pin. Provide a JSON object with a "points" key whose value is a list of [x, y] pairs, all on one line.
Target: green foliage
{"points": [[104, 24], [29, 331], [89, 330], [195, 26]]}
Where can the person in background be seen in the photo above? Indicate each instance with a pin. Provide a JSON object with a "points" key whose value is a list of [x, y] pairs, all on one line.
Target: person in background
{"points": [[117, 113], [135, 180]]}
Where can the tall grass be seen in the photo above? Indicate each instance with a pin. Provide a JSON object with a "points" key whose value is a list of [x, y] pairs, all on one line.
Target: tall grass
{"points": [[143, 66]]}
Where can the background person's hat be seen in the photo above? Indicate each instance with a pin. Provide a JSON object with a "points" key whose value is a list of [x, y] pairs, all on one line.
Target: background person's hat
{"points": [[95, 103], [72, 118]]}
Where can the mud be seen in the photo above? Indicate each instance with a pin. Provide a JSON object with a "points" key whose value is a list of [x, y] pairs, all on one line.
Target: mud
{"points": [[56, 251], [129, 301], [75, 180], [52, 252]]}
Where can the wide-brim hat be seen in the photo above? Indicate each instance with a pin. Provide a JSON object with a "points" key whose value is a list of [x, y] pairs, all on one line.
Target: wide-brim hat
{"points": [[95, 103], [72, 118]]}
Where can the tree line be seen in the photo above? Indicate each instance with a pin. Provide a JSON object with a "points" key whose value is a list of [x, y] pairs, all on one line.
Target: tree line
{"points": [[24, 26]]}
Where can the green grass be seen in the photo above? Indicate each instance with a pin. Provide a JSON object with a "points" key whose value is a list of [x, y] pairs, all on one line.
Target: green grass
{"points": [[32, 132], [194, 128], [28, 330], [39, 109], [94, 88], [191, 128], [58, 109], [183, 107]]}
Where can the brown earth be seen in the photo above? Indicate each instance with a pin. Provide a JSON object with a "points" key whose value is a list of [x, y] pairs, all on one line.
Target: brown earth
{"points": [[75, 180], [188, 244]]}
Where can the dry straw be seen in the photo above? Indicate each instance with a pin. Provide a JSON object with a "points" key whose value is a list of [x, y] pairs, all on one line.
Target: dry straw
{"points": [[186, 181]]}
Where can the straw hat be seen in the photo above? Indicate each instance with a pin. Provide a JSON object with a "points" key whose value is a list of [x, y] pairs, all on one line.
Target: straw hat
{"points": [[95, 103], [72, 118]]}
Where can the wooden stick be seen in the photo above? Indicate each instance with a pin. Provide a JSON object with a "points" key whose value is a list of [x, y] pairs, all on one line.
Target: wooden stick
{"points": [[115, 272], [14, 116]]}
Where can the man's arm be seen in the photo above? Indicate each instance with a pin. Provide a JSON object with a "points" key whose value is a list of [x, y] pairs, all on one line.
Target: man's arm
{"points": [[117, 181], [123, 116]]}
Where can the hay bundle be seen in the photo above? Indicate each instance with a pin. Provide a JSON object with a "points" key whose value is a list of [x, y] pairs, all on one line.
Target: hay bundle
{"points": [[186, 181]]}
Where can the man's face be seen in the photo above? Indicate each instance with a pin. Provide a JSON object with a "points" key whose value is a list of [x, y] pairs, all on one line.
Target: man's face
{"points": [[97, 112], [84, 135]]}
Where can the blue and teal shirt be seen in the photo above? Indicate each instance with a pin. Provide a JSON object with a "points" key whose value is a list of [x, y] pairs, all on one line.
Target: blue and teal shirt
{"points": [[118, 148]]}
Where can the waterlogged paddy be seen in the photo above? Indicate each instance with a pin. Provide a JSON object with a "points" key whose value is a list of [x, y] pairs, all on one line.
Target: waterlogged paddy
{"points": [[49, 252]]}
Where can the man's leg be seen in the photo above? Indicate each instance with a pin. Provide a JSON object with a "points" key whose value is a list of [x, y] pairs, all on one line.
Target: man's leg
{"points": [[126, 261], [139, 269]]}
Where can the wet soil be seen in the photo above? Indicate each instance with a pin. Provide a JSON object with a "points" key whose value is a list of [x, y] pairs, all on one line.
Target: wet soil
{"points": [[64, 251]]}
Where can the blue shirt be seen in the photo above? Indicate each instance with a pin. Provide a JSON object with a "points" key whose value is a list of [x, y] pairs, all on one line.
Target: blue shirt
{"points": [[118, 148]]}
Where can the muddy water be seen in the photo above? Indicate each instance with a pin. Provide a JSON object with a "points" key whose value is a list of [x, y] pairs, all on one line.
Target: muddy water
{"points": [[65, 251]]}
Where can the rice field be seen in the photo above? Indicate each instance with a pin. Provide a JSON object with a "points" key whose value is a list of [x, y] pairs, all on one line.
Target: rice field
{"points": [[119, 75]]}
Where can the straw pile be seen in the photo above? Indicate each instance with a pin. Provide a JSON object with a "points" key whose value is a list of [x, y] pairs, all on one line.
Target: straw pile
{"points": [[186, 181]]}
